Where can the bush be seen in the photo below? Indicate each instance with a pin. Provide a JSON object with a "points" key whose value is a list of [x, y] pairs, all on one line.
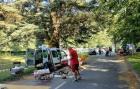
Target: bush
{"points": [[83, 57]]}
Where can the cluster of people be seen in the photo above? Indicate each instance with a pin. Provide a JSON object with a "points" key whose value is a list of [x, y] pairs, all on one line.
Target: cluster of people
{"points": [[127, 49], [108, 51], [101, 51]]}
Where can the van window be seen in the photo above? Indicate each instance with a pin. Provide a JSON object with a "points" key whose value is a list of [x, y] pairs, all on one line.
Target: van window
{"points": [[63, 53], [54, 53], [45, 53], [30, 53], [38, 55]]}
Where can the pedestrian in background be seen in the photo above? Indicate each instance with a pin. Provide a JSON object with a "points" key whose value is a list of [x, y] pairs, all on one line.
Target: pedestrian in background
{"points": [[110, 51], [100, 51]]}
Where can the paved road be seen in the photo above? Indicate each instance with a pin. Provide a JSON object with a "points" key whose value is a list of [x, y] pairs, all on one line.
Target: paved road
{"points": [[99, 73]]}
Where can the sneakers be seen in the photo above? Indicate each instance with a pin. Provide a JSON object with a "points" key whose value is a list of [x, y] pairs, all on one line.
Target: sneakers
{"points": [[79, 78], [75, 80]]}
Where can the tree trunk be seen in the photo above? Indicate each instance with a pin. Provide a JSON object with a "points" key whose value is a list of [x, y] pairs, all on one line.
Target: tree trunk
{"points": [[54, 42], [55, 28], [53, 38]]}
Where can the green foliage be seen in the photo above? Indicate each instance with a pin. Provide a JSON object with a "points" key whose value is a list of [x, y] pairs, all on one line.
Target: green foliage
{"points": [[29, 23], [101, 39], [15, 33], [124, 20], [74, 21]]}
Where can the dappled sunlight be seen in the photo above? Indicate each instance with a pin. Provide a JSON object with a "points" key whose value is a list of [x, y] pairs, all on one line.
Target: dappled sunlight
{"points": [[6, 61], [10, 58], [95, 84], [108, 60], [94, 68], [102, 70]]}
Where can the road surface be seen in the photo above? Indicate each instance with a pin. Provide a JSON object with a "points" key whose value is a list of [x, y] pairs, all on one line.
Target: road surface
{"points": [[99, 73]]}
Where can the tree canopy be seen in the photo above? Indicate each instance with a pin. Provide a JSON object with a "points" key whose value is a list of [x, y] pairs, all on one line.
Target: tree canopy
{"points": [[29, 23]]}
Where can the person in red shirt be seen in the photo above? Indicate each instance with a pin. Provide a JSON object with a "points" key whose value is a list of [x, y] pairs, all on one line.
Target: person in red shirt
{"points": [[74, 63]]}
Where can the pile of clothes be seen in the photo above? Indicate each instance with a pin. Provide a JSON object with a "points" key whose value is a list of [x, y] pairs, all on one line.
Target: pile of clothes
{"points": [[43, 74]]}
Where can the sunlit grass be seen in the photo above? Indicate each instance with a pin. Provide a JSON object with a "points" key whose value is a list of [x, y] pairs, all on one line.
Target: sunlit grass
{"points": [[6, 76], [135, 61], [6, 61], [5, 58]]}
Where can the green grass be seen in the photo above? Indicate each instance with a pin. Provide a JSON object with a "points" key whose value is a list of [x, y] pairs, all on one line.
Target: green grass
{"points": [[135, 61], [6, 76], [7, 60], [29, 70]]}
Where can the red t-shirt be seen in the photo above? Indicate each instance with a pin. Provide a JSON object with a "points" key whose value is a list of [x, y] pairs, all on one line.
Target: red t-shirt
{"points": [[74, 56]]}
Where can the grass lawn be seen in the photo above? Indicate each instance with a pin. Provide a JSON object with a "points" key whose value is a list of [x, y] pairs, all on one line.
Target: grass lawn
{"points": [[135, 61], [7, 60], [5, 75]]}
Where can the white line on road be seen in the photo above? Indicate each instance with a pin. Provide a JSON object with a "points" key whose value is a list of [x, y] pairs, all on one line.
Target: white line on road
{"points": [[60, 85]]}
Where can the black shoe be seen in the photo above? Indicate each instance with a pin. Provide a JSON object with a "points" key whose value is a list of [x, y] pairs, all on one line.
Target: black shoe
{"points": [[79, 78], [75, 80]]}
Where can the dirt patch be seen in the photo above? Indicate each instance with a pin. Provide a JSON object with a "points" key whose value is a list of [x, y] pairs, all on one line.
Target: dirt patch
{"points": [[130, 78]]}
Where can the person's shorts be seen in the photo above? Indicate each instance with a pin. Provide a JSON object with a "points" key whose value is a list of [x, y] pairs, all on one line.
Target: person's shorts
{"points": [[75, 67]]}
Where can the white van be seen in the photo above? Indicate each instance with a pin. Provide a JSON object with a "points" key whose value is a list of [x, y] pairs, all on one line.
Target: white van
{"points": [[59, 56], [53, 56]]}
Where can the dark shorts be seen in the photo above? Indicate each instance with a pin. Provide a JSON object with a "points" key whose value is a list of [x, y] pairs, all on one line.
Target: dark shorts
{"points": [[75, 67]]}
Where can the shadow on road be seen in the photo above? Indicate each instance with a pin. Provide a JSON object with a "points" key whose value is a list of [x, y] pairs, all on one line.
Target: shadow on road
{"points": [[99, 73]]}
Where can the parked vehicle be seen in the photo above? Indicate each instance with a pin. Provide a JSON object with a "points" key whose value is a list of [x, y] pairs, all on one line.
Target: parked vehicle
{"points": [[64, 57], [44, 56], [92, 52], [138, 49], [56, 57]]}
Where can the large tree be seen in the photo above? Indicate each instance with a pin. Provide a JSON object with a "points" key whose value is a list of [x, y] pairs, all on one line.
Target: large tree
{"points": [[60, 20], [15, 33], [121, 18]]}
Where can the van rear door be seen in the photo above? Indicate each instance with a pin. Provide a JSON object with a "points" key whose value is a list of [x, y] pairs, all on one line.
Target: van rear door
{"points": [[56, 58]]}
